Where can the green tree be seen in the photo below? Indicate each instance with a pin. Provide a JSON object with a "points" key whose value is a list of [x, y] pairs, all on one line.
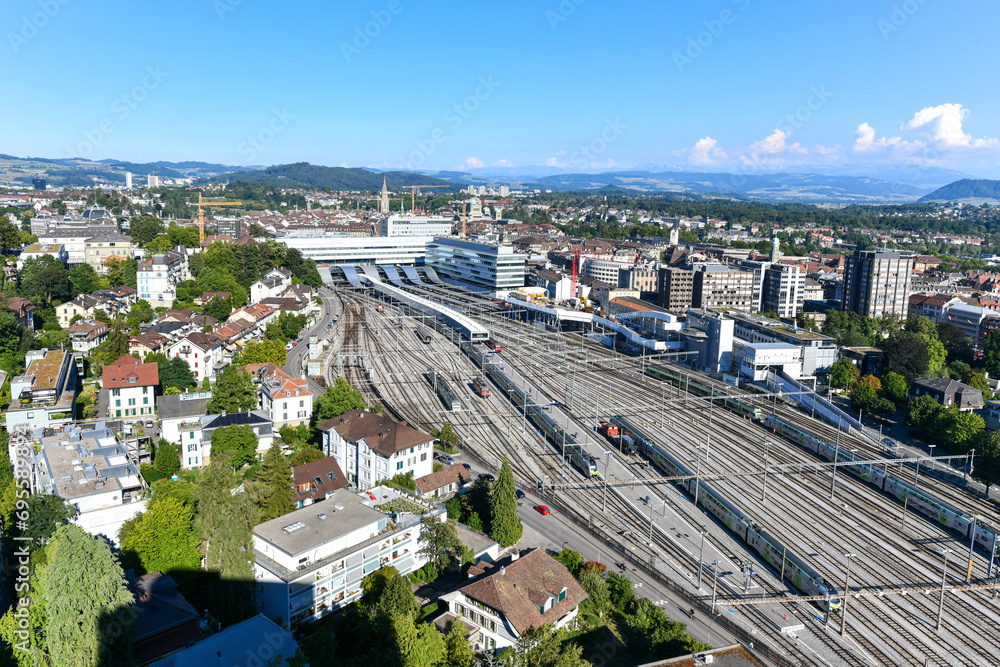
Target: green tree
{"points": [[448, 437], [234, 392], [440, 544], [218, 308], [955, 342], [894, 388], [961, 429], [905, 353], [84, 279], [457, 650], [504, 520], [337, 400], [387, 594], [176, 373], [263, 352], [162, 538], [159, 245], [237, 442], [988, 459], [115, 345], [168, 458], [416, 645], [979, 381], [145, 229], [921, 411], [571, 559], [224, 521], [277, 495], [545, 646], [10, 236], [46, 512], [991, 353], [843, 374], [598, 595], [90, 616], [865, 392], [45, 280]]}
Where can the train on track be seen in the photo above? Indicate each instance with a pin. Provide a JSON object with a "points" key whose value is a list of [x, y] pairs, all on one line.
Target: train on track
{"points": [[922, 502], [536, 414], [798, 572], [444, 391], [481, 388], [422, 335], [734, 404]]}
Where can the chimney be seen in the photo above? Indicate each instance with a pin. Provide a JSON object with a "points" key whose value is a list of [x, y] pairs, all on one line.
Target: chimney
{"points": [[514, 556], [503, 571]]}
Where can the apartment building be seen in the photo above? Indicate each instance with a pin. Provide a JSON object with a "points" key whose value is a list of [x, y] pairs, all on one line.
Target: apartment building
{"points": [[99, 249], [676, 289], [312, 561], [129, 388], [157, 277], [195, 435], [371, 448], [45, 395], [85, 335], [203, 353], [287, 401], [720, 286], [877, 282], [272, 285]]}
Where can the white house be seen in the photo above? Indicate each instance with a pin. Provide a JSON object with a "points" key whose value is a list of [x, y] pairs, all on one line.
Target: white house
{"points": [[36, 250], [85, 335], [202, 352], [130, 388], [157, 277], [275, 282], [196, 435], [371, 448], [179, 409], [287, 401]]}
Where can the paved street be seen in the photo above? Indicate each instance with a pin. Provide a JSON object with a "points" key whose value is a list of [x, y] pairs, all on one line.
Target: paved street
{"points": [[295, 358]]}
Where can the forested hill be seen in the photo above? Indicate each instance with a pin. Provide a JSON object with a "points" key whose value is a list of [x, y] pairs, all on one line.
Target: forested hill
{"points": [[305, 175], [966, 188]]}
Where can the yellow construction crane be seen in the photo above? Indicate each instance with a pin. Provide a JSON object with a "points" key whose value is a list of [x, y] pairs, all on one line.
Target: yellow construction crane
{"points": [[201, 213]]}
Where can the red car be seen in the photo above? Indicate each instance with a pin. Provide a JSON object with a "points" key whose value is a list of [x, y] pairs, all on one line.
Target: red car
{"points": [[542, 509]]}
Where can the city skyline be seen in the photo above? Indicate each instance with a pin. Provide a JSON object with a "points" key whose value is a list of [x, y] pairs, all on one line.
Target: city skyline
{"points": [[731, 85]]}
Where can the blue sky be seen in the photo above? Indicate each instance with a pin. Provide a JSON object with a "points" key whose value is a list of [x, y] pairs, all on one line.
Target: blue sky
{"points": [[577, 84]]}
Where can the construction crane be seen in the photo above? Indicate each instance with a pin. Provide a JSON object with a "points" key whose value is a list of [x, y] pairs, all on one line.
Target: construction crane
{"points": [[413, 194], [465, 205], [201, 213], [576, 268]]}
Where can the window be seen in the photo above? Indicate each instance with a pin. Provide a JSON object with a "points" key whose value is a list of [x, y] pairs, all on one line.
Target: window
{"points": [[192, 447], [423, 457], [191, 435], [118, 403], [145, 400], [399, 466]]}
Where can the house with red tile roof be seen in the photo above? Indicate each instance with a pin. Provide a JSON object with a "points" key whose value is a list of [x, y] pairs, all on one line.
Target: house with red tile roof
{"points": [[130, 389], [257, 314], [443, 482], [203, 352], [23, 310], [504, 599], [146, 343], [286, 400]]}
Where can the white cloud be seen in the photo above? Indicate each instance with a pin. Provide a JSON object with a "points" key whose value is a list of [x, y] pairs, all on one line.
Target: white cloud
{"points": [[865, 141], [776, 143], [554, 162], [704, 150], [502, 163], [943, 125], [474, 162]]}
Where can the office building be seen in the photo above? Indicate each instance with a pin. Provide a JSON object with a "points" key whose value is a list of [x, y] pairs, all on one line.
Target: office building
{"points": [[676, 289], [818, 352], [726, 287], [646, 279], [312, 561], [606, 270], [335, 248], [45, 395], [877, 282], [416, 225], [496, 267]]}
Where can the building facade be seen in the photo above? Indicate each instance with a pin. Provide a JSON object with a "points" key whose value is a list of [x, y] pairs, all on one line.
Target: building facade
{"points": [[130, 388], [45, 395], [416, 225], [877, 282], [676, 289], [720, 286], [157, 277], [110, 245], [496, 267]]}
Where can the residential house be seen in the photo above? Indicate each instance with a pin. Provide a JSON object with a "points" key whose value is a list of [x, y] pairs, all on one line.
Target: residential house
{"points": [[196, 436], [87, 334], [165, 622], [312, 561], [146, 343], [45, 395], [203, 352], [948, 392], [317, 480], [23, 310], [157, 277], [443, 482], [286, 400], [88, 468], [255, 641], [208, 296], [130, 388], [505, 599], [178, 409], [256, 314], [98, 250], [272, 284], [36, 250], [372, 448], [83, 305]]}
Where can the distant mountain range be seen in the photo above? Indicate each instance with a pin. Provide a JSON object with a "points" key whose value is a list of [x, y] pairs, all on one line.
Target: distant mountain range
{"points": [[967, 189], [305, 175]]}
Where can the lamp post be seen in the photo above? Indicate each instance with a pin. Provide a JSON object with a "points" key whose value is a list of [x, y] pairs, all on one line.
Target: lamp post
{"points": [[604, 500], [847, 583], [715, 582], [701, 554], [944, 576]]}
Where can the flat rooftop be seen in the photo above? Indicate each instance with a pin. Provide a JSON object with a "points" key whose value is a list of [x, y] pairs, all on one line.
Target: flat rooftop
{"points": [[46, 370], [306, 528], [90, 464]]}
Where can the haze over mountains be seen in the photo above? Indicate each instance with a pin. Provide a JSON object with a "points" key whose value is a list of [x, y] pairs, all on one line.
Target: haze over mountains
{"points": [[846, 184]]}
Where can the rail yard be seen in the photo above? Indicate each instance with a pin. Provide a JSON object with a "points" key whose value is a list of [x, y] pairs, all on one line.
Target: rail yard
{"points": [[836, 568]]}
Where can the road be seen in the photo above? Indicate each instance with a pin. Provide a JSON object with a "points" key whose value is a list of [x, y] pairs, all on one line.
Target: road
{"points": [[294, 360]]}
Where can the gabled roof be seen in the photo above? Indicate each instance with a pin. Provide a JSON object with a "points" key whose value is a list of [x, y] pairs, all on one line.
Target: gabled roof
{"points": [[519, 589], [456, 474], [382, 434], [276, 383], [128, 372], [238, 644], [318, 475], [200, 340]]}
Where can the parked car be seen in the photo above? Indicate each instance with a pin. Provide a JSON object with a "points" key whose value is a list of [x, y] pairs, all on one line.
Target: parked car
{"points": [[447, 460], [542, 509], [488, 477], [467, 466], [519, 493], [289, 346]]}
